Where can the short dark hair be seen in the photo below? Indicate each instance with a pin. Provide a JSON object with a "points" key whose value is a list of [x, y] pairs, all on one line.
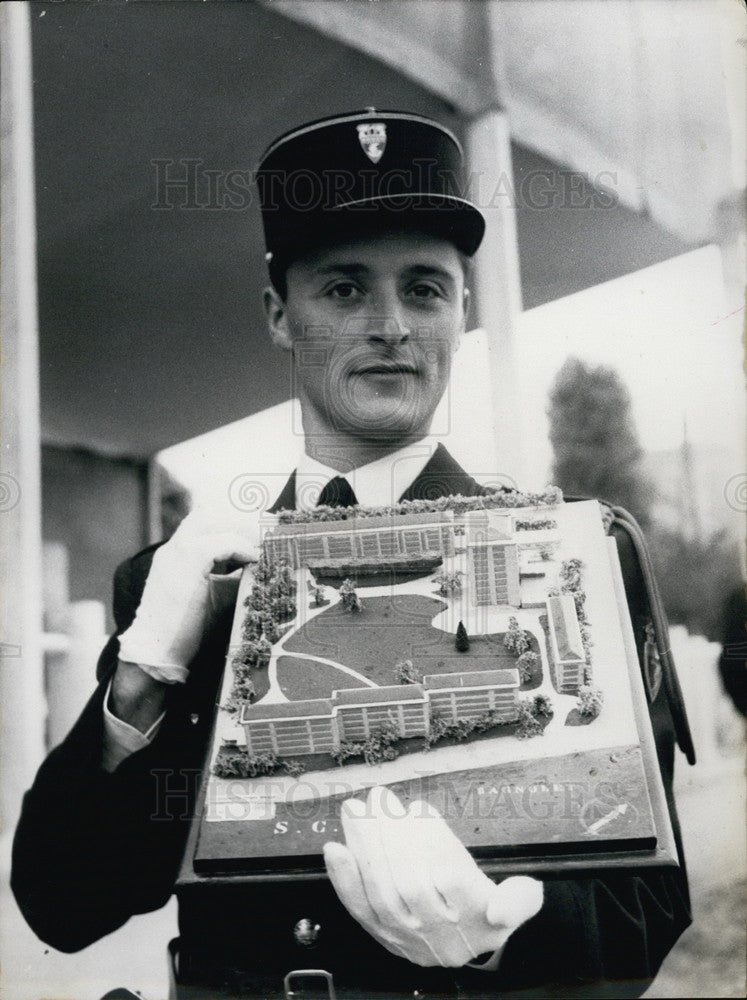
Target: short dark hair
{"points": [[279, 277]]}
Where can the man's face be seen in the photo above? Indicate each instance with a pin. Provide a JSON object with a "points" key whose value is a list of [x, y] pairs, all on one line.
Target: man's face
{"points": [[372, 324]]}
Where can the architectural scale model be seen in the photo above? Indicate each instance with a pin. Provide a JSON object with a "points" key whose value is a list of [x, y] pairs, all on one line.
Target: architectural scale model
{"points": [[471, 651], [467, 563]]}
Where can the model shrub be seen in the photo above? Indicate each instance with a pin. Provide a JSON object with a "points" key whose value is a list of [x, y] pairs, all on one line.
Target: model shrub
{"points": [[271, 602], [252, 653], [586, 641], [261, 764], [253, 624], [449, 583], [461, 729], [526, 662], [237, 762], [542, 706], [529, 725], [407, 673], [590, 701], [242, 691], [294, 768], [499, 499], [380, 746], [570, 574], [230, 763]]}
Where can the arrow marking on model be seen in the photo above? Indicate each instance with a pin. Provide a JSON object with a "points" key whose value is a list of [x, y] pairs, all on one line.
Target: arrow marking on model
{"points": [[617, 811]]}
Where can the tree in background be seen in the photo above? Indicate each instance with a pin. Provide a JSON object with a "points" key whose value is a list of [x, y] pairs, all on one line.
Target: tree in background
{"points": [[696, 577], [595, 445], [597, 454]]}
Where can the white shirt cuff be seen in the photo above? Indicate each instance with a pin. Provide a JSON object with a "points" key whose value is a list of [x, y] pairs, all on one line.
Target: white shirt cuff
{"points": [[122, 740], [491, 964]]}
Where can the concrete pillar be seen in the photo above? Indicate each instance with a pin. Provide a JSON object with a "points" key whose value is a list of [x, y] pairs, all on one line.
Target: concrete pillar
{"points": [[70, 675], [22, 700], [496, 281]]}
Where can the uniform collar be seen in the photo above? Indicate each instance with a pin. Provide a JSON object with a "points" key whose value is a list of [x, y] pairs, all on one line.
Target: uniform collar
{"points": [[378, 484]]}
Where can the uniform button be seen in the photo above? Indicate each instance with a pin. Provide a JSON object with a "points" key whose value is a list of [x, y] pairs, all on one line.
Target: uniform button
{"points": [[306, 932]]}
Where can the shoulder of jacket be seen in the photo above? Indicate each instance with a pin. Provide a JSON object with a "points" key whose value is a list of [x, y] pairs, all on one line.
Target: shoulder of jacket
{"points": [[136, 564], [129, 582], [447, 472]]}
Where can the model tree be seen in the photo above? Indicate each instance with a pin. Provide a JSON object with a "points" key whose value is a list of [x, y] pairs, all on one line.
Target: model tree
{"points": [[462, 639], [271, 601], [254, 653], [407, 673], [516, 640], [449, 583], [348, 597]]}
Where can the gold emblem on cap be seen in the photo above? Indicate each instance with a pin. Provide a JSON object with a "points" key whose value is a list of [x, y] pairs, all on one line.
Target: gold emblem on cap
{"points": [[372, 137]]}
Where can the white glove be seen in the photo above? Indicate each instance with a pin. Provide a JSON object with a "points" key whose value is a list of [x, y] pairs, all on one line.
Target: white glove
{"points": [[415, 888], [176, 602]]}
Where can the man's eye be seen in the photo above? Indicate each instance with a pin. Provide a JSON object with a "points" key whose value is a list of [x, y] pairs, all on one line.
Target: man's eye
{"points": [[343, 290], [425, 291]]}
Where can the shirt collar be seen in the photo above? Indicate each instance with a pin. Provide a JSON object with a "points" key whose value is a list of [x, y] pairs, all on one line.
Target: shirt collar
{"points": [[378, 484]]}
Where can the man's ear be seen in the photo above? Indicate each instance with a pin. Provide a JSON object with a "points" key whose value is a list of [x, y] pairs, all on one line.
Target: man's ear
{"points": [[463, 327], [466, 305], [278, 324]]}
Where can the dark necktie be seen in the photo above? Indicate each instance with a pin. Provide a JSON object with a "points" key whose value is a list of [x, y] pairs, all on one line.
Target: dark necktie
{"points": [[337, 493]]}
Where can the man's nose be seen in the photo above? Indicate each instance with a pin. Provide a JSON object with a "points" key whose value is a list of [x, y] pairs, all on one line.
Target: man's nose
{"points": [[387, 330]]}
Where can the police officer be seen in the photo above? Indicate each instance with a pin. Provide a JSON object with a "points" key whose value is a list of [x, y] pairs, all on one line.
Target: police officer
{"points": [[368, 240]]}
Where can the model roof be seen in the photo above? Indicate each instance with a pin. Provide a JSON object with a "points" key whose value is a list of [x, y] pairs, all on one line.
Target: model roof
{"points": [[306, 708], [373, 695], [385, 521], [562, 609], [508, 677]]}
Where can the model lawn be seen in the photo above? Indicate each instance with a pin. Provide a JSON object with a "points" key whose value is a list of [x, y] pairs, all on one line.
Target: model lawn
{"points": [[335, 644]]}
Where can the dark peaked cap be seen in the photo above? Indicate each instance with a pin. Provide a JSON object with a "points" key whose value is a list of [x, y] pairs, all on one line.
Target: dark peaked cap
{"points": [[358, 172]]}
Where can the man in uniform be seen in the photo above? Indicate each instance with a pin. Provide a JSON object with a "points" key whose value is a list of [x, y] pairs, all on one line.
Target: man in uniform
{"points": [[368, 244]]}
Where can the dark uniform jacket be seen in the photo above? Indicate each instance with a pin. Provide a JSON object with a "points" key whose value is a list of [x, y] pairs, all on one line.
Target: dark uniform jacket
{"points": [[94, 848]]}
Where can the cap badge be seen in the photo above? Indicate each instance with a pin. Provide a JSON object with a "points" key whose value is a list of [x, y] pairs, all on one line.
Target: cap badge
{"points": [[372, 138]]}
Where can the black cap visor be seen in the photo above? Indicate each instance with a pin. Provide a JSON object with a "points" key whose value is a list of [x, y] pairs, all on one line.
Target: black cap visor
{"points": [[445, 216]]}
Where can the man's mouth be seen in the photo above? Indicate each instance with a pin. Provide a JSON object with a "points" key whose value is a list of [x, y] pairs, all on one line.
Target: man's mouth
{"points": [[386, 368]]}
